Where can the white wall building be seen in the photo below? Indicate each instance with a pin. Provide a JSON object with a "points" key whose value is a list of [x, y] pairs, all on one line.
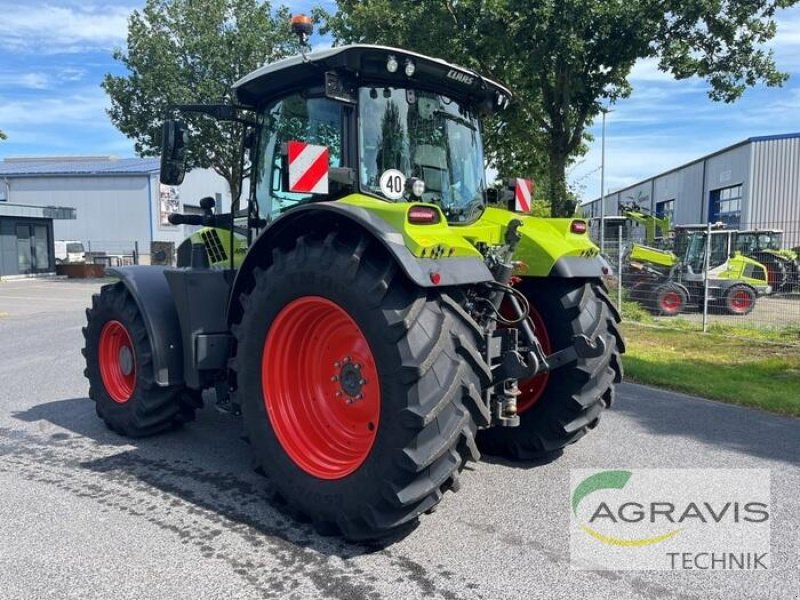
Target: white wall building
{"points": [[752, 184], [119, 202]]}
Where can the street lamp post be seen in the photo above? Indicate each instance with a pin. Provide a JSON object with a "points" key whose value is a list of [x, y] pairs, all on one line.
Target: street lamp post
{"points": [[605, 111]]}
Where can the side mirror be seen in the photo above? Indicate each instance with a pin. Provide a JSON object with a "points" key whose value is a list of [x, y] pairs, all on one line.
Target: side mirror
{"points": [[173, 152]]}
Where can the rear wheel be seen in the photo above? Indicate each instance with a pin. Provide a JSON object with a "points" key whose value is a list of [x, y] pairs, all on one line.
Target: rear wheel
{"points": [[669, 300], [360, 392], [119, 367], [557, 410], [740, 300]]}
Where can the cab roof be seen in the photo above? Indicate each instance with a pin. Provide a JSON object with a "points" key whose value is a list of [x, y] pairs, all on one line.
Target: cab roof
{"points": [[366, 64]]}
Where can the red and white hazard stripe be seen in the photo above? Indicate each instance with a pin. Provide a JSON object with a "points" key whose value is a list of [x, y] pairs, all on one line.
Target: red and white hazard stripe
{"points": [[522, 195], [308, 168]]}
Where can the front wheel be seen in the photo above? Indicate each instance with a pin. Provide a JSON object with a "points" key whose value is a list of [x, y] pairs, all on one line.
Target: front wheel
{"points": [[119, 367], [360, 392], [669, 300], [558, 408], [740, 300]]}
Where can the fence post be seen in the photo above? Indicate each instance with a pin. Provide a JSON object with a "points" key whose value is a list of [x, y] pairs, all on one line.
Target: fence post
{"points": [[136, 252], [619, 268], [706, 263]]}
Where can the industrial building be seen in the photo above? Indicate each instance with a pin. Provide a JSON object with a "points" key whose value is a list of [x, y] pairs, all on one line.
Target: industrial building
{"points": [[118, 205], [752, 184], [26, 237]]}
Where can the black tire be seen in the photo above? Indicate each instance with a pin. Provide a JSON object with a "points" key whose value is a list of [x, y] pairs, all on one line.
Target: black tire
{"points": [[576, 394], [740, 300], [793, 285], [430, 374], [150, 409], [669, 300]]}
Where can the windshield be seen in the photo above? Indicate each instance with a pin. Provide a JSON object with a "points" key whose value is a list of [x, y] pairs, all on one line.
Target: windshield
{"points": [[427, 136], [770, 241], [696, 252], [749, 243]]}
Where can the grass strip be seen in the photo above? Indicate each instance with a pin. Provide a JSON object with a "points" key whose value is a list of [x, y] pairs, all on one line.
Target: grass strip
{"points": [[763, 374]]}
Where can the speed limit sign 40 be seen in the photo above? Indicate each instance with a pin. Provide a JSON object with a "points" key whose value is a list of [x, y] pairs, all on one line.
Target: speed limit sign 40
{"points": [[393, 184]]}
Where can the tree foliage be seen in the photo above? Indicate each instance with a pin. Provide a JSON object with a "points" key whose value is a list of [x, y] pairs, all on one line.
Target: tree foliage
{"points": [[2, 135], [186, 52], [564, 59]]}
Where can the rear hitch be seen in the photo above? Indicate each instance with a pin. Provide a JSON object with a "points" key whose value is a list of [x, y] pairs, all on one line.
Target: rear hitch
{"points": [[582, 347]]}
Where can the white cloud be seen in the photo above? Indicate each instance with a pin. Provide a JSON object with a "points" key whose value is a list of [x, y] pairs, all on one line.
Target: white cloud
{"points": [[32, 81], [69, 123], [84, 107], [788, 33], [646, 69], [72, 74], [49, 29]]}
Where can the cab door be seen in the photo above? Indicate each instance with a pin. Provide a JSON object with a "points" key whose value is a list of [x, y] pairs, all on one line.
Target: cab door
{"points": [[316, 121]]}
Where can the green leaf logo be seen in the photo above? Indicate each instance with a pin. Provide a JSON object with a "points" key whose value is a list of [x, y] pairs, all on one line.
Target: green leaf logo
{"points": [[606, 480], [599, 481]]}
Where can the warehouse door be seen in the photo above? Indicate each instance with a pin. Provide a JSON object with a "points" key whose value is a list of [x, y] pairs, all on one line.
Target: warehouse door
{"points": [[33, 254]]}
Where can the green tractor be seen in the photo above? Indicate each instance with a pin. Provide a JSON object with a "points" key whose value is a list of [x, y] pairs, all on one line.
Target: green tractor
{"points": [[766, 246], [366, 313], [666, 282]]}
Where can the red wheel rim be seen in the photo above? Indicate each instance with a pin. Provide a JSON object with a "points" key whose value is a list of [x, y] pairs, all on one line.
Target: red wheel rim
{"points": [[741, 301], [671, 302], [531, 389], [321, 387], [117, 361]]}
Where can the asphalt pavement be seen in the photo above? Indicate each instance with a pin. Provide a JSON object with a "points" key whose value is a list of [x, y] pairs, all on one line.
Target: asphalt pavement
{"points": [[87, 514]]}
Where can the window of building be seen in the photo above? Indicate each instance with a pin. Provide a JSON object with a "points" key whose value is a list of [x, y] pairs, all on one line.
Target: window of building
{"points": [[665, 210], [726, 206]]}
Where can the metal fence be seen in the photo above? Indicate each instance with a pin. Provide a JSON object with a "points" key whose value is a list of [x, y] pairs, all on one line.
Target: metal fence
{"points": [[109, 253], [739, 282]]}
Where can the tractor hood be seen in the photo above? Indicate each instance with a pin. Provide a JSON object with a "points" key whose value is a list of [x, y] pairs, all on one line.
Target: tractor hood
{"points": [[369, 63]]}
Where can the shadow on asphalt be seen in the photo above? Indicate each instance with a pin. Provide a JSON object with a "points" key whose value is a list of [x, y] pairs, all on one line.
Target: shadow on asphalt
{"points": [[521, 464], [76, 415], [205, 464], [736, 428]]}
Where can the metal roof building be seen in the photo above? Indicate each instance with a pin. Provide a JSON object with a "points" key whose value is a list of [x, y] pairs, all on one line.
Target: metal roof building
{"points": [[752, 184], [119, 202]]}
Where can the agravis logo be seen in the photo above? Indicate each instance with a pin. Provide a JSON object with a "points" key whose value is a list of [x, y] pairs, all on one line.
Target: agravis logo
{"points": [[670, 519], [606, 480]]}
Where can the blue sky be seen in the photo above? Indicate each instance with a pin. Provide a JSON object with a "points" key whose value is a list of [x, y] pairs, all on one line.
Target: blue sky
{"points": [[53, 56]]}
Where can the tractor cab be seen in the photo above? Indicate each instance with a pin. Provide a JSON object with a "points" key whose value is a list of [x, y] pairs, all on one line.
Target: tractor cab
{"points": [[386, 123], [725, 263], [759, 240], [691, 242], [766, 246]]}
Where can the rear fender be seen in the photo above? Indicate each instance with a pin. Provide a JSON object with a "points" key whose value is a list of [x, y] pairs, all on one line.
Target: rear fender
{"points": [[329, 216], [548, 247], [150, 290]]}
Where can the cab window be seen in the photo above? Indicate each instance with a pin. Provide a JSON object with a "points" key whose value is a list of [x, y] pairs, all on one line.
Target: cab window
{"points": [[294, 118]]}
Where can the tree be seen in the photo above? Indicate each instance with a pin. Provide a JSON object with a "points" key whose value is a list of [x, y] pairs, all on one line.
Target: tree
{"points": [[185, 52], [564, 59], [2, 135]]}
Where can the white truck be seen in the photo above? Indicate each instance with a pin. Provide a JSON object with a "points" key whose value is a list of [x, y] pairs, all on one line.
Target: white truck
{"points": [[69, 251]]}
